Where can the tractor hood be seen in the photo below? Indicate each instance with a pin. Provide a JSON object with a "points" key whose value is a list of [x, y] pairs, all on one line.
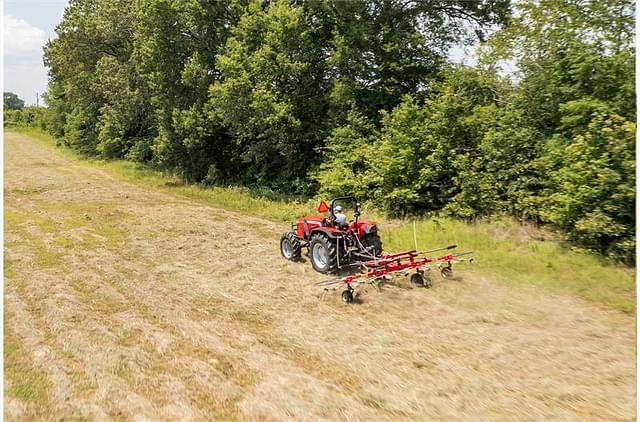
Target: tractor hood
{"points": [[306, 225], [315, 218]]}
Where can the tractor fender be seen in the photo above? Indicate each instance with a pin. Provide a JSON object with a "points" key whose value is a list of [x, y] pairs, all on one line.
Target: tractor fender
{"points": [[329, 233], [370, 228]]}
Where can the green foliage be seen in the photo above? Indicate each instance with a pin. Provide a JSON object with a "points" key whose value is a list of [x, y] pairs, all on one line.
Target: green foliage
{"points": [[591, 191], [423, 147], [349, 154], [94, 38], [568, 50], [11, 117], [12, 101], [240, 92], [461, 150], [175, 54], [383, 50], [269, 93], [497, 175], [34, 117], [124, 119], [577, 79]]}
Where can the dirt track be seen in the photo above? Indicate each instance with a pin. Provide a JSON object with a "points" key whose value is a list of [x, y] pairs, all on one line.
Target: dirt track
{"points": [[133, 304]]}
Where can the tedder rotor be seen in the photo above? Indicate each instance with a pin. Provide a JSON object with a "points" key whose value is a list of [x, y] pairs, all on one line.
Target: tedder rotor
{"points": [[414, 264]]}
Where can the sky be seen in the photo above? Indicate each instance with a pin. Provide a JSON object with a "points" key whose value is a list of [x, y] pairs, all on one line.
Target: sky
{"points": [[28, 24]]}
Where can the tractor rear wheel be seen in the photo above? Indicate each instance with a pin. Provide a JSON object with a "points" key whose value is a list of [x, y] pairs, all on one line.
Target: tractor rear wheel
{"points": [[323, 254], [290, 246], [372, 240]]}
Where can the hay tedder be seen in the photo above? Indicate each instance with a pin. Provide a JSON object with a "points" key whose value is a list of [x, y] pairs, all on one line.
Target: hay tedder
{"points": [[334, 245]]}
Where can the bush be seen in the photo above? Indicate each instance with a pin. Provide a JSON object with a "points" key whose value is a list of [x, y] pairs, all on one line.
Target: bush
{"points": [[591, 182]]}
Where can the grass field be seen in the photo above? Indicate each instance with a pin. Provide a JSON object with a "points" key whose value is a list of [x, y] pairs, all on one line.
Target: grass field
{"points": [[130, 296], [504, 249]]}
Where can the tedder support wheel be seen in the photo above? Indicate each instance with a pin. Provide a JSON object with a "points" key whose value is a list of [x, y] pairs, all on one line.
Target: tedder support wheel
{"points": [[290, 246], [417, 280], [322, 250], [446, 272], [347, 296]]}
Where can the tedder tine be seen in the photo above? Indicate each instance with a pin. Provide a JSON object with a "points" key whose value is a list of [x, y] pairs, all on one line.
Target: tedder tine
{"points": [[329, 282], [438, 249]]}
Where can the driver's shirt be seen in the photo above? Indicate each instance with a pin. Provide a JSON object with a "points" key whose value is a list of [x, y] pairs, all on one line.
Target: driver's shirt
{"points": [[341, 219]]}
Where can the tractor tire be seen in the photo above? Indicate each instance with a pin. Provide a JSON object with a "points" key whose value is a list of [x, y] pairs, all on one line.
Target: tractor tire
{"points": [[322, 251], [290, 246], [373, 240]]}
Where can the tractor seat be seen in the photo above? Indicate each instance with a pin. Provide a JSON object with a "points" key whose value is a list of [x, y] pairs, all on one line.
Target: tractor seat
{"points": [[344, 226]]}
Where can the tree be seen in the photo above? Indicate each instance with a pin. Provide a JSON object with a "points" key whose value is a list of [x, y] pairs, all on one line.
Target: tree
{"points": [[591, 179], [565, 50], [450, 147], [348, 159], [175, 54], [383, 50], [271, 97], [291, 73], [575, 66], [357, 97], [89, 31], [498, 174], [12, 101]]}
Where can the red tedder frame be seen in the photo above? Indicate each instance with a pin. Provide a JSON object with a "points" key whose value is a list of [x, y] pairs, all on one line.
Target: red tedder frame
{"points": [[396, 262]]}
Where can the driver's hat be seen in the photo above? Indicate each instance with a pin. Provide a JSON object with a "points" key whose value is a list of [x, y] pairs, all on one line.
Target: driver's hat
{"points": [[338, 208]]}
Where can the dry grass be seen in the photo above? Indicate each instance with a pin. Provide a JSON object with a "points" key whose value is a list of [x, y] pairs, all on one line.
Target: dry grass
{"points": [[24, 382], [145, 305]]}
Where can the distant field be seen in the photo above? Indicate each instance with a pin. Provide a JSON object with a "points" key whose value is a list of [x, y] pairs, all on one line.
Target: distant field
{"points": [[504, 249]]}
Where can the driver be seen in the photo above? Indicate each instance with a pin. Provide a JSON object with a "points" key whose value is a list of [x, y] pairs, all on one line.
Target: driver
{"points": [[339, 217]]}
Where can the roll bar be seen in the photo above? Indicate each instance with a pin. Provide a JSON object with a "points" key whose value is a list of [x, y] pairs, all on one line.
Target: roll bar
{"points": [[344, 199]]}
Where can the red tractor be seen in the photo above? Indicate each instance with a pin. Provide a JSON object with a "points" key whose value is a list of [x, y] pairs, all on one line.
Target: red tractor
{"points": [[332, 242]]}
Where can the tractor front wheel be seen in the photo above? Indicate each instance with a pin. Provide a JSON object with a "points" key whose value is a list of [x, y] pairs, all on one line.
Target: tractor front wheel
{"points": [[372, 241], [323, 254], [290, 246]]}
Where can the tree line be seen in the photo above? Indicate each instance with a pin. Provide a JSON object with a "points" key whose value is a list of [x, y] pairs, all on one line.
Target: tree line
{"points": [[327, 97]]}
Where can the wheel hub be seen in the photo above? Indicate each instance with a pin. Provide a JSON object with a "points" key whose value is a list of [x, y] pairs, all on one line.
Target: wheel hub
{"points": [[320, 255], [286, 249]]}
